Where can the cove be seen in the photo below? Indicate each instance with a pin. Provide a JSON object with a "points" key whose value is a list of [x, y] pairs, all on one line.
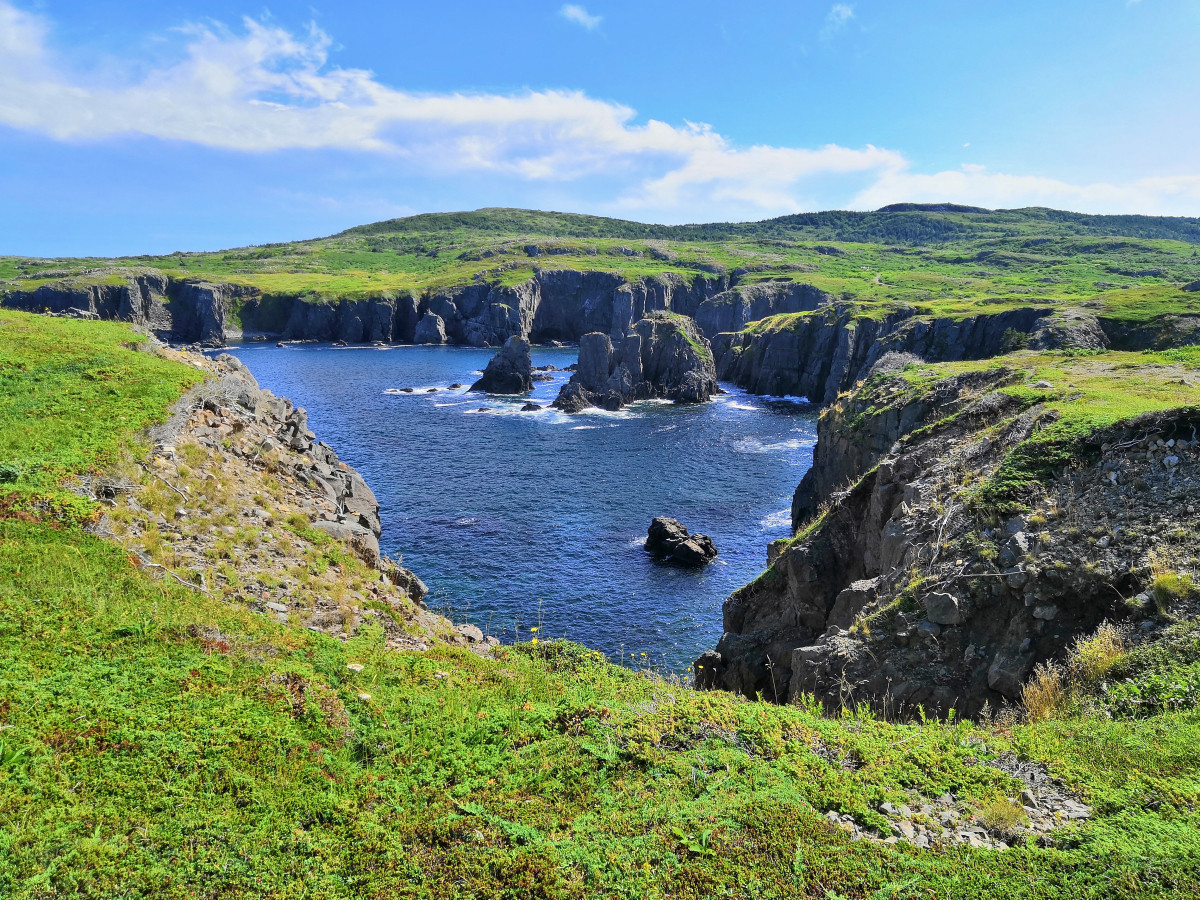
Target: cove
{"points": [[520, 519]]}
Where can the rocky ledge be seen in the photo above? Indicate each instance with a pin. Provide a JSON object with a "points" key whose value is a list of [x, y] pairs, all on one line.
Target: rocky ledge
{"points": [[663, 356]]}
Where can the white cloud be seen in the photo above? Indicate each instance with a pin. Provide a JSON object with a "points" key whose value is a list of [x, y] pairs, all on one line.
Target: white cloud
{"points": [[261, 89], [976, 186], [574, 13], [836, 19]]}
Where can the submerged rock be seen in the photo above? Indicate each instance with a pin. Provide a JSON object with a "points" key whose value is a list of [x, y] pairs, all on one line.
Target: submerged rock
{"points": [[669, 538], [510, 371]]}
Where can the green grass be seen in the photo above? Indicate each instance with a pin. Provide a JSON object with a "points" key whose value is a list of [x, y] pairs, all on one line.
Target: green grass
{"points": [[73, 397], [1087, 393], [146, 766], [160, 743]]}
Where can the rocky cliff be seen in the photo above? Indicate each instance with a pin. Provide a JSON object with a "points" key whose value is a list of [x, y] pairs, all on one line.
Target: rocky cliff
{"points": [[551, 305], [820, 354], [508, 372], [664, 355], [736, 308], [194, 312], [961, 539]]}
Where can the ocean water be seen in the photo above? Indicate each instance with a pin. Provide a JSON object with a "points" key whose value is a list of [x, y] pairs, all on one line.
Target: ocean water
{"points": [[519, 520]]}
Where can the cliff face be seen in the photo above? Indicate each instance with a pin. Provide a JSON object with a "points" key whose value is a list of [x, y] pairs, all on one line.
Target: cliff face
{"points": [[734, 309], [552, 305], [560, 305], [663, 355], [823, 353], [193, 312], [909, 586]]}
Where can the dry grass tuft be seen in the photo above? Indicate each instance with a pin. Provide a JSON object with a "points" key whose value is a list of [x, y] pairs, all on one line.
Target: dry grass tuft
{"points": [[1045, 694], [1093, 657], [1002, 815]]}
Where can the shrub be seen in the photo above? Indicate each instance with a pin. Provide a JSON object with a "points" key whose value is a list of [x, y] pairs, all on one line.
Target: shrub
{"points": [[1013, 340], [1170, 586]]}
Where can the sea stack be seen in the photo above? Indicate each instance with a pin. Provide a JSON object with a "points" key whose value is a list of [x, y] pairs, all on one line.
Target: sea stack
{"points": [[510, 371], [664, 355]]}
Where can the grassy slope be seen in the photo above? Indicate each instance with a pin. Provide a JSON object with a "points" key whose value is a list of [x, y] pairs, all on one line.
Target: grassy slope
{"points": [[73, 397], [146, 755], [949, 263]]}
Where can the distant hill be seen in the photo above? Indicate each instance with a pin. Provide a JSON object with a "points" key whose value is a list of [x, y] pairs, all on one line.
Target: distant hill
{"points": [[907, 223]]}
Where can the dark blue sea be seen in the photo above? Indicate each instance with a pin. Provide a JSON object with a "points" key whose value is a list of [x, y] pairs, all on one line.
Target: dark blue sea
{"points": [[518, 520]]}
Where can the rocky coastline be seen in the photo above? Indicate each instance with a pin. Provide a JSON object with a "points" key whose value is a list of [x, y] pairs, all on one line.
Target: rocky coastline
{"points": [[870, 515], [903, 589], [242, 502]]}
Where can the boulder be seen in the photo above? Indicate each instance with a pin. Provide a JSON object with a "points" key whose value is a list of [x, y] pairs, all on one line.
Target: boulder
{"points": [[361, 540], [851, 601], [430, 330], [668, 538], [943, 609], [510, 371]]}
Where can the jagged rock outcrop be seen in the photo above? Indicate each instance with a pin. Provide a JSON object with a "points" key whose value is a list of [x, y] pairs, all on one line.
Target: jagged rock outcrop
{"points": [[430, 330], [664, 355], [843, 453], [734, 309], [508, 372], [1069, 329], [820, 354], [667, 538], [899, 593]]}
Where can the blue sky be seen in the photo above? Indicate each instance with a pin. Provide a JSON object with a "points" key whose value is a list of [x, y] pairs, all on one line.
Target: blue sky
{"points": [[130, 127]]}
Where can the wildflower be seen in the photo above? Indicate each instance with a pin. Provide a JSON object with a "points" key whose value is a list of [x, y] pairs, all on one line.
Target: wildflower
{"points": [[533, 629], [534, 642]]}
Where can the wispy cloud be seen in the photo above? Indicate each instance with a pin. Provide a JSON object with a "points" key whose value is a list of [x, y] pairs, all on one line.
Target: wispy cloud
{"points": [[836, 19], [262, 89], [572, 12]]}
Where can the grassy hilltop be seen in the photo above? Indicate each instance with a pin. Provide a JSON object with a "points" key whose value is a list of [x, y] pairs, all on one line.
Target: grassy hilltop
{"points": [[943, 260], [157, 742]]}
